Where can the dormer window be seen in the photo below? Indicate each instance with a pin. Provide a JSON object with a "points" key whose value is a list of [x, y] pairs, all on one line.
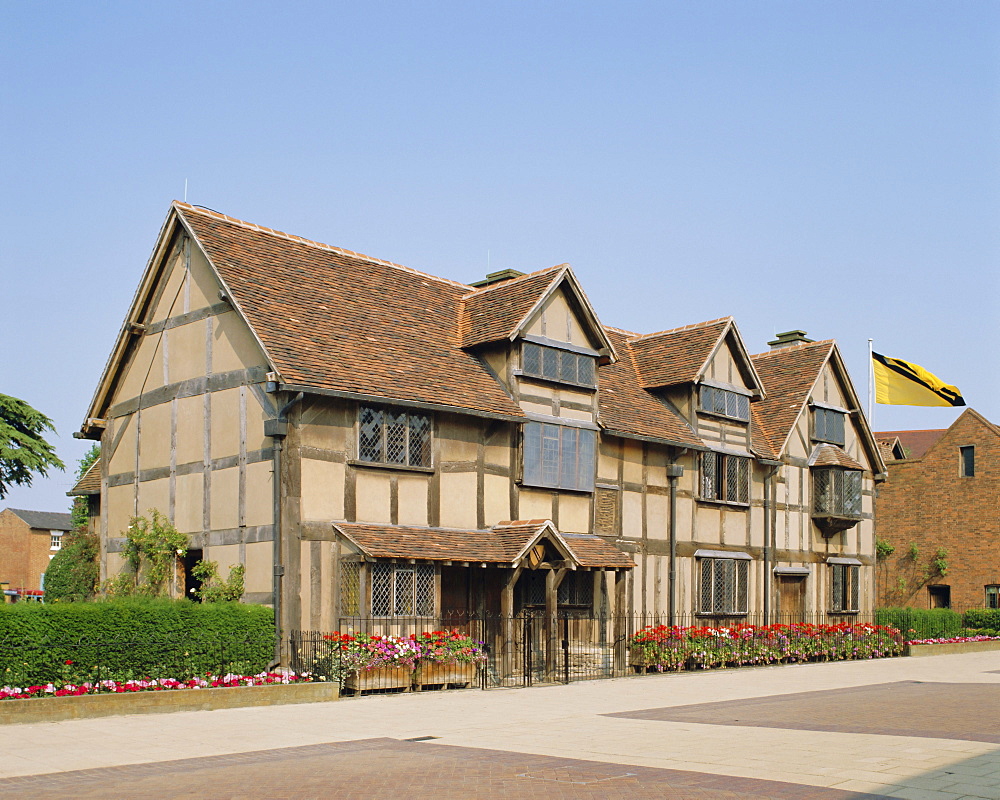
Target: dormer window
{"points": [[724, 403], [555, 364], [828, 425]]}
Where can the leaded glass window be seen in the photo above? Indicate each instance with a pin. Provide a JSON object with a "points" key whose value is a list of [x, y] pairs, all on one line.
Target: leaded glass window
{"points": [[828, 425], [836, 492], [845, 584], [559, 456], [539, 361], [724, 584], [725, 478], [402, 590], [725, 403], [389, 436]]}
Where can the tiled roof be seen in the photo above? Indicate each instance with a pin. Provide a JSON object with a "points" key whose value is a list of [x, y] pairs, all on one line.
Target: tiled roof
{"points": [[788, 375], [90, 481], [593, 551], [676, 356], [829, 455], [493, 313], [915, 443], [628, 408], [500, 545], [888, 447], [335, 320], [760, 444], [45, 520]]}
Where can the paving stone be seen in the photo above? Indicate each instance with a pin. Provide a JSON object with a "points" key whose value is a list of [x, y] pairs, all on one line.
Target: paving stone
{"points": [[365, 769]]}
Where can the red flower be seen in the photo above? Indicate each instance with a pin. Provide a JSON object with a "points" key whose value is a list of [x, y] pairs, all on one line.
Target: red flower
{"points": [[68, 663]]}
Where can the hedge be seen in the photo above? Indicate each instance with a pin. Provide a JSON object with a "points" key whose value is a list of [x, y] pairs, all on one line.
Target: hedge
{"points": [[938, 623], [132, 638]]}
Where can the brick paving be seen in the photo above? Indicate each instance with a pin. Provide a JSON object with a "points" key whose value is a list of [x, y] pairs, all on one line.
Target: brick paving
{"points": [[392, 768], [962, 711]]}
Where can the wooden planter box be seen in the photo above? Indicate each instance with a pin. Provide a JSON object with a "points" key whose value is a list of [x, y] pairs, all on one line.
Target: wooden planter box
{"points": [[435, 674], [383, 678]]}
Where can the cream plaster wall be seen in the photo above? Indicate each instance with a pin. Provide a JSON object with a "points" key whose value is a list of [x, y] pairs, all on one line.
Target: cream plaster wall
{"points": [[373, 496], [458, 499], [413, 491], [322, 489]]}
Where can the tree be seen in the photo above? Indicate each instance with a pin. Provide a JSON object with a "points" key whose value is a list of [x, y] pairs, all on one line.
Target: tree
{"points": [[80, 509], [23, 451], [73, 572]]}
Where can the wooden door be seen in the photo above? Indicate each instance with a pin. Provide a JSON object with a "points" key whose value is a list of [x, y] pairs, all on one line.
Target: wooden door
{"points": [[791, 598]]}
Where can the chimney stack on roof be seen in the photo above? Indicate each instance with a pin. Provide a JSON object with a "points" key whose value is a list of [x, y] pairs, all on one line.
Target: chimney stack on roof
{"points": [[789, 338], [497, 277]]}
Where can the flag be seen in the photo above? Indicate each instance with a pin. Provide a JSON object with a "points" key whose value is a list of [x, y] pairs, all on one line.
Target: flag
{"points": [[902, 383]]}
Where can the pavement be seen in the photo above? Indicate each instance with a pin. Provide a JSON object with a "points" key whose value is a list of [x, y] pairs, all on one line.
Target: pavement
{"points": [[915, 728]]}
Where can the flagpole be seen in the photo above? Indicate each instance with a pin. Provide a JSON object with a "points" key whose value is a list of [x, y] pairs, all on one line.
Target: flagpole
{"points": [[871, 374]]}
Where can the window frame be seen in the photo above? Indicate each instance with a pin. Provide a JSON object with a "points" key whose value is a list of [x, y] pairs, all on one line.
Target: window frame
{"points": [[550, 437], [387, 579], [560, 357], [55, 540], [967, 460], [709, 397], [845, 588], [838, 505], [715, 569], [724, 488], [820, 432], [993, 595], [411, 421]]}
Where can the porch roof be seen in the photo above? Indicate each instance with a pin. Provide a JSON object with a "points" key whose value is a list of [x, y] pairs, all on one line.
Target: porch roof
{"points": [[505, 544]]}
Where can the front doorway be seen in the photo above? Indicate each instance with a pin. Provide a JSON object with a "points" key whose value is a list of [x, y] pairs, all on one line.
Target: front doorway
{"points": [[791, 598]]}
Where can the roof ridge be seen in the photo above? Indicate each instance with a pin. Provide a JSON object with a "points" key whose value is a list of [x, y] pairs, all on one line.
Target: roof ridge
{"points": [[510, 282], [793, 348], [694, 326], [619, 330], [915, 430], [208, 212]]}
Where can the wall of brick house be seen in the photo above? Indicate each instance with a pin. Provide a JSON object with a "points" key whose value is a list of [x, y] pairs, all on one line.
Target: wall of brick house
{"points": [[929, 503], [24, 553]]}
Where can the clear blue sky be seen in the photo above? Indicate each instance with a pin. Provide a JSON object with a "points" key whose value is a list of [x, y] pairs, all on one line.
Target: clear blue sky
{"points": [[816, 165]]}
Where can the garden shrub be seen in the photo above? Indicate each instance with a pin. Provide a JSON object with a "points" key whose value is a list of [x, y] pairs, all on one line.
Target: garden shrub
{"points": [[922, 623], [132, 638], [982, 618]]}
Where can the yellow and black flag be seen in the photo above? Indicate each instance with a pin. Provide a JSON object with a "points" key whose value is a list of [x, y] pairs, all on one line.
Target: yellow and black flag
{"points": [[902, 383]]}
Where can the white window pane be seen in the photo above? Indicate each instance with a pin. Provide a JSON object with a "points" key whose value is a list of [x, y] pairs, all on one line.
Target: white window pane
{"points": [[550, 455], [533, 453], [567, 459], [586, 460]]}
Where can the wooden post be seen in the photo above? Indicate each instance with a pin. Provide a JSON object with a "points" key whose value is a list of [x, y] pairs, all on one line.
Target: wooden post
{"points": [[553, 577], [621, 621], [504, 648]]}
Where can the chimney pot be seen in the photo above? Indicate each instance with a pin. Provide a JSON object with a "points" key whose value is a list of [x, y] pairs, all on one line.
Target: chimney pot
{"points": [[789, 338]]}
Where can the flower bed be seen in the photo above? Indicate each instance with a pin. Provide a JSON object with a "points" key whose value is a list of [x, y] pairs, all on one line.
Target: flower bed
{"points": [[662, 648], [955, 640], [62, 689]]}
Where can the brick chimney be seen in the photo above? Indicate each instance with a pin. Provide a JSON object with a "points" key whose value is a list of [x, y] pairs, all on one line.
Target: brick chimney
{"points": [[789, 338]]}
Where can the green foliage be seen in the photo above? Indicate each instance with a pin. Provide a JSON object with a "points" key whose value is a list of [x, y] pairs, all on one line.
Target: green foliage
{"points": [[23, 451], [73, 572], [79, 510], [922, 623], [152, 547], [940, 562], [132, 638], [913, 551], [213, 588], [982, 618], [883, 549]]}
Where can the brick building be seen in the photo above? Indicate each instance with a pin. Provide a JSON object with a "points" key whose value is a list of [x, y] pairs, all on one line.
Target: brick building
{"points": [[941, 504], [28, 540]]}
